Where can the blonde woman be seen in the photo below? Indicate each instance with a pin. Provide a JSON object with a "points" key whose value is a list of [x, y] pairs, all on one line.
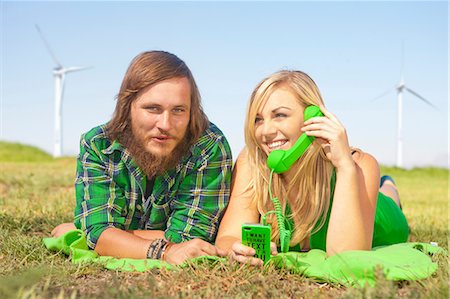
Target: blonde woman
{"points": [[331, 195]]}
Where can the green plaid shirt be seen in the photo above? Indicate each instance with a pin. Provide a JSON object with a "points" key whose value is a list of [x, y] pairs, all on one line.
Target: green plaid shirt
{"points": [[186, 202]]}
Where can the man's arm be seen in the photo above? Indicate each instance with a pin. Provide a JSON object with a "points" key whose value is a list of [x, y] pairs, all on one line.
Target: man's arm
{"points": [[202, 196], [101, 206], [120, 243], [144, 234]]}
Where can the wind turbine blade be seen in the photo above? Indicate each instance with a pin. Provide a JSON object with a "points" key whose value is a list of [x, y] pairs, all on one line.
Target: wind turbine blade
{"points": [[75, 68], [383, 94], [47, 45], [421, 97], [403, 59]]}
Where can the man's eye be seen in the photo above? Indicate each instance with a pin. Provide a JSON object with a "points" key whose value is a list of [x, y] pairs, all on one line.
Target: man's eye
{"points": [[178, 110], [152, 108]]}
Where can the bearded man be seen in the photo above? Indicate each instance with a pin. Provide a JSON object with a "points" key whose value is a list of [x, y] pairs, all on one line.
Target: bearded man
{"points": [[155, 180]]}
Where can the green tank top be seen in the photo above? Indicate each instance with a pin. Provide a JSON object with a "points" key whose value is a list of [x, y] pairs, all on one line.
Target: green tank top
{"points": [[390, 225]]}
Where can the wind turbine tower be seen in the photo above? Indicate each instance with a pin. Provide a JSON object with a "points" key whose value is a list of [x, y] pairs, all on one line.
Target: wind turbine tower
{"points": [[401, 87], [59, 73]]}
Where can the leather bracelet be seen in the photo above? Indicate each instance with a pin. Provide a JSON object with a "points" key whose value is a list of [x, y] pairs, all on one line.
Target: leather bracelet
{"points": [[165, 249], [150, 250], [156, 248]]}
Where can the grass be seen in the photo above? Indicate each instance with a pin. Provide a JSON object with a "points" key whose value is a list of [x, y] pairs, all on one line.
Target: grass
{"points": [[16, 152], [36, 193]]}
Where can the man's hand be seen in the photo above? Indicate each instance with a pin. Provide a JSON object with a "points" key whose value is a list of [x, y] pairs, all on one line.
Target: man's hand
{"points": [[178, 253], [62, 229]]}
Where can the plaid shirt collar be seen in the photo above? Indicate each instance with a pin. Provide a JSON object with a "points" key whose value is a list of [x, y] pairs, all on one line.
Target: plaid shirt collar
{"points": [[168, 175]]}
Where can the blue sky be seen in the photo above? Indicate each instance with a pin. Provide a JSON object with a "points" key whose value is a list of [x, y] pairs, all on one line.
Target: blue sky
{"points": [[351, 49]]}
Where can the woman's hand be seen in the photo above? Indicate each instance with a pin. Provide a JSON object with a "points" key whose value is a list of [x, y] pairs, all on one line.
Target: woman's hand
{"points": [[332, 136], [245, 255]]}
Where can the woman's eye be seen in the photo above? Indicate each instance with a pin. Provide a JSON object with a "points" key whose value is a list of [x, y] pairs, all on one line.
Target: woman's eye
{"points": [[258, 120], [278, 115]]}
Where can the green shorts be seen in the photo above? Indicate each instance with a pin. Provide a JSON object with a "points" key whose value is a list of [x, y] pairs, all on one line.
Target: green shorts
{"points": [[390, 225]]}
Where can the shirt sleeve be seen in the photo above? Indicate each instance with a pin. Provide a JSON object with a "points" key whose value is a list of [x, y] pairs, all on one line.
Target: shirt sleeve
{"points": [[99, 202], [202, 196]]}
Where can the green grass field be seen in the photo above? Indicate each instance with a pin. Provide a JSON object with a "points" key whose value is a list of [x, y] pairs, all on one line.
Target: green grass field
{"points": [[36, 193]]}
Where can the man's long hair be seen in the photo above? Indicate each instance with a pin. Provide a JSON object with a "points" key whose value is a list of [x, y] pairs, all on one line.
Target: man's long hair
{"points": [[312, 172], [145, 70]]}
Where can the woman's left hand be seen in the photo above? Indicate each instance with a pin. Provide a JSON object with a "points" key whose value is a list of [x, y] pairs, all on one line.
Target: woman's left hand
{"points": [[245, 254], [332, 136]]}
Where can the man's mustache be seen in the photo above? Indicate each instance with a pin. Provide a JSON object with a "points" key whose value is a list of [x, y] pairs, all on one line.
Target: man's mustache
{"points": [[166, 134]]}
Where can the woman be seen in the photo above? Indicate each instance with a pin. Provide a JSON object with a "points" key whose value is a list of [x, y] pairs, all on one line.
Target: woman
{"points": [[331, 195]]}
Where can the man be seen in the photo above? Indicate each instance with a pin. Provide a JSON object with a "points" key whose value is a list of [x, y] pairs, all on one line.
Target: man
{"points": [[154, 181]]}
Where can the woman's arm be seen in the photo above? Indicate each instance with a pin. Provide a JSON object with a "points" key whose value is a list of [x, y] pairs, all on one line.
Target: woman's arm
{"points": [[355, 195], [354, 204], [241, 209]]}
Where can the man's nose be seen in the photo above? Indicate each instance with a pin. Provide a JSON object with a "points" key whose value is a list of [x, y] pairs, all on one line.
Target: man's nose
{"points": [[164, 121]]}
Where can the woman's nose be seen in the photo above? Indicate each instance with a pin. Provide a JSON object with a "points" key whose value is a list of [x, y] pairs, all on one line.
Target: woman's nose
{"points": [[268, 128]]}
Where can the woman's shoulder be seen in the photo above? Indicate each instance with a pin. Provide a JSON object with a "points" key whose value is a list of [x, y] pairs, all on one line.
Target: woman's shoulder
{"points": [[364, 160], [243, 158], [242, 178], [242, 161], [243, 167]]}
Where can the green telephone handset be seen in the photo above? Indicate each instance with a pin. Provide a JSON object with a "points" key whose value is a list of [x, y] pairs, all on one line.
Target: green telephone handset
{"points": [[280, 161]]}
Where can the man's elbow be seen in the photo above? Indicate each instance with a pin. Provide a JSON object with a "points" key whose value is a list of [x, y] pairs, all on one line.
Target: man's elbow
{"points": [[93, 235]]}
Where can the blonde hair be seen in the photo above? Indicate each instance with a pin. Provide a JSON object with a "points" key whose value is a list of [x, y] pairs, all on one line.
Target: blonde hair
{"points": [[311, 173]]}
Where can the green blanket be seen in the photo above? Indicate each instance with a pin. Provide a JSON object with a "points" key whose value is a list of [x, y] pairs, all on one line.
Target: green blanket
{"points": [[405, 261]]}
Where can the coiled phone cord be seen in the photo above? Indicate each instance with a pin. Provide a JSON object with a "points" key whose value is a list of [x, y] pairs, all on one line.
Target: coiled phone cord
{"points": [[285, 234]]}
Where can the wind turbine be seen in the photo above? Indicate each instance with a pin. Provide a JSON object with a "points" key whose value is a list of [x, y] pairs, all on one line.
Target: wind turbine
{"points": [[59, 73], [401, 87]]}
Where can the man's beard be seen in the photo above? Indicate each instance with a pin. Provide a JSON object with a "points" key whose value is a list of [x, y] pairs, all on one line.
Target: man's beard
{"points": [[151, 164]]}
